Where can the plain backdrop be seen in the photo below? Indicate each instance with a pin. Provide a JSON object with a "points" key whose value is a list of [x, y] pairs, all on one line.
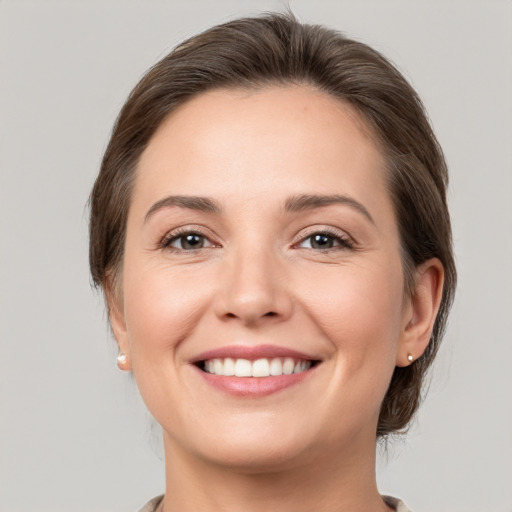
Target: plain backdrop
{"points": [[74, 435]]}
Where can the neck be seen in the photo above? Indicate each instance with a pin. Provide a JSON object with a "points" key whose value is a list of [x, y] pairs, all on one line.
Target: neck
{"points": [[315, 483]]}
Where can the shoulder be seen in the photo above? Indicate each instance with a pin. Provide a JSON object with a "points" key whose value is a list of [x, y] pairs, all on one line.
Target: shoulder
{"points": [[151, 505], [395, 503]]}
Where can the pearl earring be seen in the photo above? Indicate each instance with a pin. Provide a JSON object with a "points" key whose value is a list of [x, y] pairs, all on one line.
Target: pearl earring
{"points": [[410, 358], [121, 360]]}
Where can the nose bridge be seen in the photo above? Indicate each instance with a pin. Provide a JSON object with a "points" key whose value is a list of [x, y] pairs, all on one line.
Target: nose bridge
{"points": [[253, 286]]}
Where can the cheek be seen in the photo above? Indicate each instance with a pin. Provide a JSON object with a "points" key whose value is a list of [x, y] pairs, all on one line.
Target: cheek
{"points": [[359, 309], [162, 306]]}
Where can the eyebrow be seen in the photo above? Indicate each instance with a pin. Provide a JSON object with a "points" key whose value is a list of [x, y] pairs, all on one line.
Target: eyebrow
{"points": [[297, 203], [202, 204], [308, 202]]}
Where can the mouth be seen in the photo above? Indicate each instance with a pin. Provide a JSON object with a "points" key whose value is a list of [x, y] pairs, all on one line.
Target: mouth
{"points": [[258, 368], [254, 370]]}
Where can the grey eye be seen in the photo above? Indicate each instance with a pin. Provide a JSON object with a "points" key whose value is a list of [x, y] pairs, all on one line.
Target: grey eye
{"points": [[320, 241], [325, 241], [189, 241]]}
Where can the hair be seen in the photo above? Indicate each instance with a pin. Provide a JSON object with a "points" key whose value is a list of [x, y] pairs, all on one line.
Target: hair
{"points": [[275, 49]]}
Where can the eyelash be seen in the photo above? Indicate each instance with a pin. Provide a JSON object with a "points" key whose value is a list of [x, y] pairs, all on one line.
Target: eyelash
{"points": [[181, 233], [344, 242], [341, 239]]}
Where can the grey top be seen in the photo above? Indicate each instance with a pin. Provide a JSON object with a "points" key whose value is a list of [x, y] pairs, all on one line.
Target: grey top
{"points": [[397, 504], [152, 505]]}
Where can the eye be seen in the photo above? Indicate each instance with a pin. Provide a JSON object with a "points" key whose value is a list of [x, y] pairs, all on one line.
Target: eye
{"points": [[325, 241], [187, 241]]}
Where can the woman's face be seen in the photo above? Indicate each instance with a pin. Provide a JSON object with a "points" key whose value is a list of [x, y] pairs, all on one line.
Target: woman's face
{"points": [[261, 240]]}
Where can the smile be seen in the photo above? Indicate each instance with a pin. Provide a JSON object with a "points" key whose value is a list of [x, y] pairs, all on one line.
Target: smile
{"points": [[264, 367], [254, 371]]}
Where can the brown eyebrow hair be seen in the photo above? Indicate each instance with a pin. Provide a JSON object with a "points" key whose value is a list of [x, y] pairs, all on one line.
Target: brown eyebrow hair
{"points": [[295, 203], [203, 204], [306, 202]]}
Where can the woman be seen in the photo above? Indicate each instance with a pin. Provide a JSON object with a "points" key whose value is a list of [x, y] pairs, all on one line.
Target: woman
{"points": [[270, 229]]}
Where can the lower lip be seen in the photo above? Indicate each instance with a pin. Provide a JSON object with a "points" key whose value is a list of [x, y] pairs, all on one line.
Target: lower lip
{"points": [[253, 386]]}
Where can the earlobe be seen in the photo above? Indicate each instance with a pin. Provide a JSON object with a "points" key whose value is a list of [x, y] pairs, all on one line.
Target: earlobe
{"points": [[123, 362], [114, 300], [422, 313]]}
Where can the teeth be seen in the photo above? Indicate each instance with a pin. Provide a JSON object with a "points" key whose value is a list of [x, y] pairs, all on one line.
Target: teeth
{"points": [[229, 367], [288, 366], [217, 366], [243, 368], [259, 368], [276, 367]]}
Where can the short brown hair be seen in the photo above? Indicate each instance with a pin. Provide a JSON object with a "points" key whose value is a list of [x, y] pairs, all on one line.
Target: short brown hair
{"points": [[277, 49]]}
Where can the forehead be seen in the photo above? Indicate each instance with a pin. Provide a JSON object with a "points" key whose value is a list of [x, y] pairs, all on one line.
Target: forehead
{"points": [[236, 143]]}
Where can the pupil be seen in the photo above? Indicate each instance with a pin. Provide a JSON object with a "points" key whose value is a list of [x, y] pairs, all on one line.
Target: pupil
{"points": [[322, 241], [192, 241]]}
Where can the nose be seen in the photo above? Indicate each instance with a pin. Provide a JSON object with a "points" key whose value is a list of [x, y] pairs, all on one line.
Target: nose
{"points": [[254, 289]]}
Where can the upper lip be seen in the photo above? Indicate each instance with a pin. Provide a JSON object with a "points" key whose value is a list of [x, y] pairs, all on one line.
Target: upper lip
{"points": [[252, 353]]}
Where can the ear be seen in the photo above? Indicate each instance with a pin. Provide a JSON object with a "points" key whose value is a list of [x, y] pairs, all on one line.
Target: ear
{"points": [[115, 306], [421, 311]]}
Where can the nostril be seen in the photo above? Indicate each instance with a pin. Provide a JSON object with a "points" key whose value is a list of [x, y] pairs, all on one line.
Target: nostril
{"points": [[250, 314]]}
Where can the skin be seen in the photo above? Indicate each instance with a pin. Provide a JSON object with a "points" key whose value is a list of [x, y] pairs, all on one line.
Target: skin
{"points": [[259, 280]]}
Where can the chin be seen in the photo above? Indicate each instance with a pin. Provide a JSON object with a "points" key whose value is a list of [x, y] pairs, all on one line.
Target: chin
{"points": [[254, 458], [257, 447]]}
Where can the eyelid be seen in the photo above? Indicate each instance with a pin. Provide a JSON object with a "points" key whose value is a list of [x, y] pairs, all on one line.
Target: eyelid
{"points": [[189, 229], [348, 241]]}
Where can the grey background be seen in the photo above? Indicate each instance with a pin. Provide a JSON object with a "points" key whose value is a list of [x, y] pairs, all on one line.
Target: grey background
{"points": [[73, 433]]}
